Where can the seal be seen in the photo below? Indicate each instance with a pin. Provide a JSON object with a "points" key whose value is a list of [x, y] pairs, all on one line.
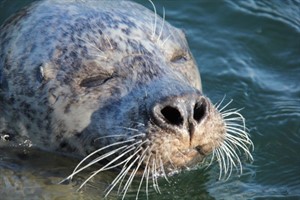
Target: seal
{"points": [[113, 83]]}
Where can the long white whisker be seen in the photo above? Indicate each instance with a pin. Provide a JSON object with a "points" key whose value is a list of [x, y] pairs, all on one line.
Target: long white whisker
{"points": [[163, 169], [219, 162], [229, 112], [236, 140], [225, 106], [223, 158], [139, 149], [123, 173], [155, 186], [162, 44], [130, 129], [238, 132], [229, 159], [230, 124], [130, 177], [121, 155], [98, 159], [163, 23], [141, 161], [125, 169], [108, 40], [118, 177], [212, 159], [97, 151], [231, 151], [105, 167], [217, 105], [76, 171], [147, 177], [241, 116], [136, 169], [155, 20], [109, 136], [242, 146]]}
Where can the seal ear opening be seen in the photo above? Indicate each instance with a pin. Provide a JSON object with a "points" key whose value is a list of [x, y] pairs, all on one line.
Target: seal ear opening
{"points": [[40, 74]]}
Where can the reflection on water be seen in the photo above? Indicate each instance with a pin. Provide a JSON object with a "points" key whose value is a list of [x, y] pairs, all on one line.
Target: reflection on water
{"points": [[248, 50]]}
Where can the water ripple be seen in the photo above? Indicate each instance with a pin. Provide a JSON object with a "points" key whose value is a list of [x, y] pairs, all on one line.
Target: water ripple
{"points": [[287, 11]]}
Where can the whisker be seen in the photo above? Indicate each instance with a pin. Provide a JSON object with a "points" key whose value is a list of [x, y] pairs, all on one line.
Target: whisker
{"points": [[140, 148], [163, 23], [154, 178], [212, 159], [144, 173], [118, 177], [163, 43], [230, 161], [155, 20], [163, 170], [230, 124], [238, 132], [109, 136], [140, 162], [241, 117], [147, 177], [233, 153], [171, 162], [108, 40], [76, 171], [101, 149], [217, 105], [134, 172], [225, 106], [129, 179], [231, 111], [223, 160], [98, 159], [123, 172], [227, 162], [94, 174], [219, 162], [242, 146], [129, 129], [106, 166], [124, 153], [236, 140]]}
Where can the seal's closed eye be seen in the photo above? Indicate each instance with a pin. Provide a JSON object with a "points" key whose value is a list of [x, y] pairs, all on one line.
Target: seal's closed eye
{"points": [[95, 81], [181, 58]]}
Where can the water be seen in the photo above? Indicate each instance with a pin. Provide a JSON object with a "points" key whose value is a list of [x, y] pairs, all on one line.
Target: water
{"points": [[248, 50]]}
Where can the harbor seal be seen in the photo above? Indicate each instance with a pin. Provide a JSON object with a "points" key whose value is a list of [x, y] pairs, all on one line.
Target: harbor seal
{"points": [[113, 83]]}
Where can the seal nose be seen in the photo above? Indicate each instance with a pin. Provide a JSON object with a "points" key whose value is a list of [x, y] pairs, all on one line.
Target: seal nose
{"points": [[182, 112]]}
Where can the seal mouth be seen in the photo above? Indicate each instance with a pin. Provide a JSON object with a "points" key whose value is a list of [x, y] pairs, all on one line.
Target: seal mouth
{"points": [[200, 150]]}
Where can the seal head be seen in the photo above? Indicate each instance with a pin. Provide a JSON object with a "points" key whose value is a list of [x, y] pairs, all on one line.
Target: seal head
{"points": [[95, 80]]}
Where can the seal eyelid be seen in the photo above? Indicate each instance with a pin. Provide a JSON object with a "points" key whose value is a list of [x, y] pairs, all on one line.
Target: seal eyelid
{"points": [[179, 58], [95, 80]]}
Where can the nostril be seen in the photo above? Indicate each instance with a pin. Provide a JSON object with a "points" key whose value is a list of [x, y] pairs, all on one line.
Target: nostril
{"points": [[199, 111], [172, 115]]}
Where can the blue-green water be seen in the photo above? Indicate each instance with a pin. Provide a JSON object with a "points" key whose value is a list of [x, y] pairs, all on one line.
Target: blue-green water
{"points": [[248, 50]]}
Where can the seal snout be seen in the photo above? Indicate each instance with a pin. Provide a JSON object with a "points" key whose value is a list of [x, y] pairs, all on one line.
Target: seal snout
{"points": [[181, 113]]}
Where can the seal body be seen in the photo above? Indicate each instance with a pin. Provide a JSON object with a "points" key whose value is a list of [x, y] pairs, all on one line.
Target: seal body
{"points": [[108, 79]]}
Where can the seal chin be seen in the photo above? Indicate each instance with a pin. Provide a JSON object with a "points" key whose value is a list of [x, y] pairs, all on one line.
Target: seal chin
{"points": [[187, 158]]}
